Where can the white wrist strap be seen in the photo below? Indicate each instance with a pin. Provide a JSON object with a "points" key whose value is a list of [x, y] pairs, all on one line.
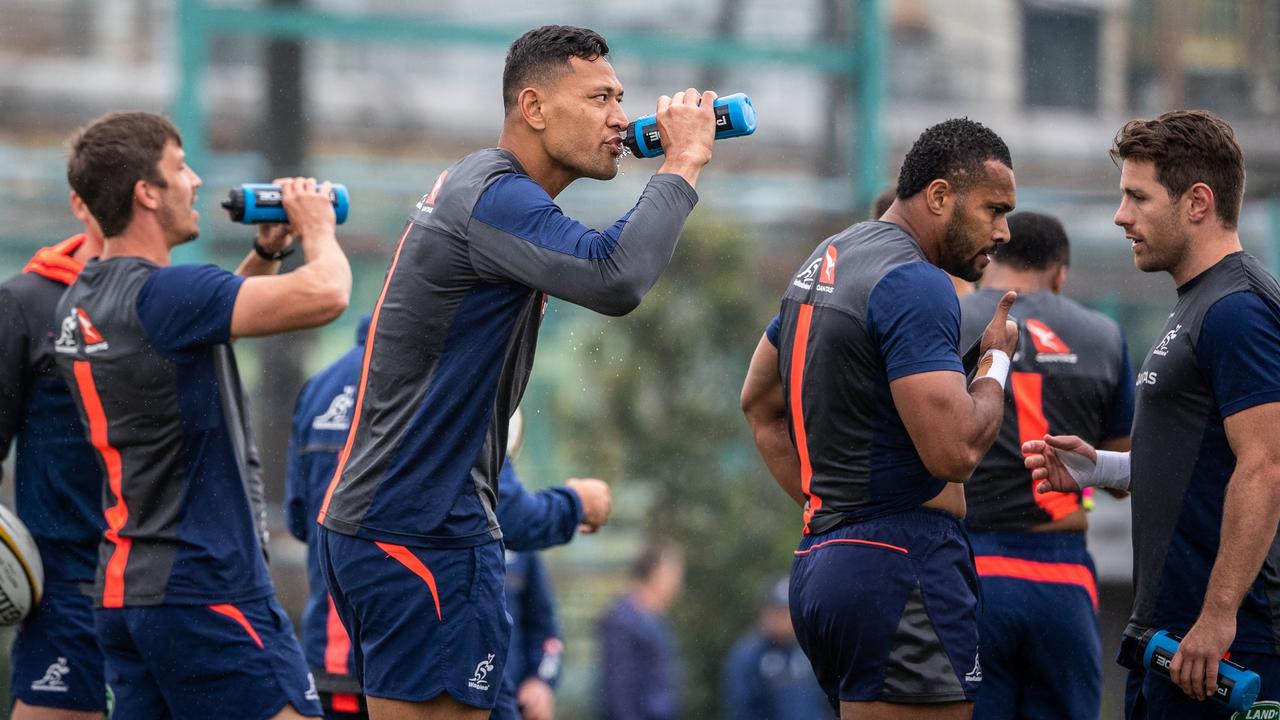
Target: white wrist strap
{"points": [[994, 366], [1111, 471]]}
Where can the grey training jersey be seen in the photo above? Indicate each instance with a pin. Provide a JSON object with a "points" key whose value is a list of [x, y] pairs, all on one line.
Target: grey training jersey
{"points": [[1219, 355]]}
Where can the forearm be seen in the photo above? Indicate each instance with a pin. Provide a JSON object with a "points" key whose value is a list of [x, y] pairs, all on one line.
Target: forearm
{"points": [[615, 283], [1252, 502], [773, 441], [254, 264], [953, 444]]}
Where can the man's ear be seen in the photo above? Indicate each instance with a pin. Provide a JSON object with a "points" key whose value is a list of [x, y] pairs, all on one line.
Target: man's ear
{"points": [[937, 196], [146, 194], [530, 106], [1202, 205]]}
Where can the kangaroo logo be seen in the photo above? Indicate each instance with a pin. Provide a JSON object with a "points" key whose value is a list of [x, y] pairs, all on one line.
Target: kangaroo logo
{"points": [[338, 416], [66, 342], [52, 680], [974, 675], [478, 681], [1163, 348], [804, 280]]}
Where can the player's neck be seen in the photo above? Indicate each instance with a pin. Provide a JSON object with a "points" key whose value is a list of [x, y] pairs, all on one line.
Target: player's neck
{"points": [[1024, 282], [143, 239], [550, 175], [1205, 251]]}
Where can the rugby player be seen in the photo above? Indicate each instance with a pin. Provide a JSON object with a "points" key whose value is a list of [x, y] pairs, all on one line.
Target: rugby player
{"points": [[184, 606], [1204, 471], [532, 521], [859, 405], [409, 523], [1041, 654], [56, 663]]}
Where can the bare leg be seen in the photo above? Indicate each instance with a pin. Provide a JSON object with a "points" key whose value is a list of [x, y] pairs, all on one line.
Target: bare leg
{"points": [[440, 707], [962, 710], [23, 711]]}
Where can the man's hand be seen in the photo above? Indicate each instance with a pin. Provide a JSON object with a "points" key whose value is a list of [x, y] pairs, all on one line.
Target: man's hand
{"points": [[308, 206], [274, 237], [1195, 665], [536, 700], [687, 124], [596, 502], [1044, 460], [1001, 332]]}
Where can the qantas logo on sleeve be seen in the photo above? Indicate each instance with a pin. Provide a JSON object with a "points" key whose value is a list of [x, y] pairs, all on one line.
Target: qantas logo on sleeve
{"points": [[827, 278], [428, 202], [1049, 347]]}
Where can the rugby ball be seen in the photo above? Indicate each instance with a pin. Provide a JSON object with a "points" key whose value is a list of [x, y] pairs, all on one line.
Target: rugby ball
{"points": [[21, 573]]}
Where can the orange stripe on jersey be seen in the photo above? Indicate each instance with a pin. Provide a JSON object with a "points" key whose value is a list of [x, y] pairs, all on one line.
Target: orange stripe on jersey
{"points": [[853, 541], [234, 613], [364, 376], [411, 561], [1035, 571], [798, 348], [1028, 398], [337, 645], [118, 514]]}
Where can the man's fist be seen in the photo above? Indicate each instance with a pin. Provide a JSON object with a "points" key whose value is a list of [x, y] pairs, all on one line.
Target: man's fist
{"points": [[596, 502]]}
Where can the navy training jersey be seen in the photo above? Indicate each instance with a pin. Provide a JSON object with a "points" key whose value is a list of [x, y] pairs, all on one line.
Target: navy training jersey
{"points": [[865, 309], [1219, 354], [57, 482], [321, 421], [1070, 376], [145, 350], [453, 336]]}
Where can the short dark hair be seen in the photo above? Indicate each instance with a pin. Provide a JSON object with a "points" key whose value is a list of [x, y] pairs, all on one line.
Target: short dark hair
{"points": [[110, 155], [954, 150], [542, 54], [1036, 242], [1189, 147], [654, 554]]}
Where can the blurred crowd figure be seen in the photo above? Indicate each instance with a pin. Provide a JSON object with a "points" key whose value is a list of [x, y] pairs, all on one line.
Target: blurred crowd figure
{"points": [[639, 660], [767, 676]]}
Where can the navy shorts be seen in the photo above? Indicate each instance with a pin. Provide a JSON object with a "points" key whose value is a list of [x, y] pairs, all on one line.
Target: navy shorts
{"points": [[57, 662], [1041, 653], [238, 661], [1149, 696], [422, 621], [887, 609]]}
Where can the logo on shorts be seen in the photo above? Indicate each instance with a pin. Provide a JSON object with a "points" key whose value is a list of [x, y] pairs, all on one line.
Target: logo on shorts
{"points": [[52, 680], [974, 675], [1264, 710], [478, 681], [338, 416], [311, 693]]}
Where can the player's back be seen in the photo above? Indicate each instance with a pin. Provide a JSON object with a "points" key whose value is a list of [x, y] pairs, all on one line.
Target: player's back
{"points": [[145, 351], [1070, 376]]}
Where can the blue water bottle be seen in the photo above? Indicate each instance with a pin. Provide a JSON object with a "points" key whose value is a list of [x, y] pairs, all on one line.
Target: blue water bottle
{"points": [[252, 203], [735, 117], [1237, 687]]}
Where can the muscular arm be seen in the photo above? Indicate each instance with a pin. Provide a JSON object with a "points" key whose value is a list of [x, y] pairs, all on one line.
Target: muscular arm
{"points": [[953, 425], [765, 408], [518, 233], [311, 295]]}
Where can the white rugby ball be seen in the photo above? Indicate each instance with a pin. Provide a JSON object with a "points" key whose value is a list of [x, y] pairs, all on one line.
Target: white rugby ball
{"points": [[21, 573]]}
